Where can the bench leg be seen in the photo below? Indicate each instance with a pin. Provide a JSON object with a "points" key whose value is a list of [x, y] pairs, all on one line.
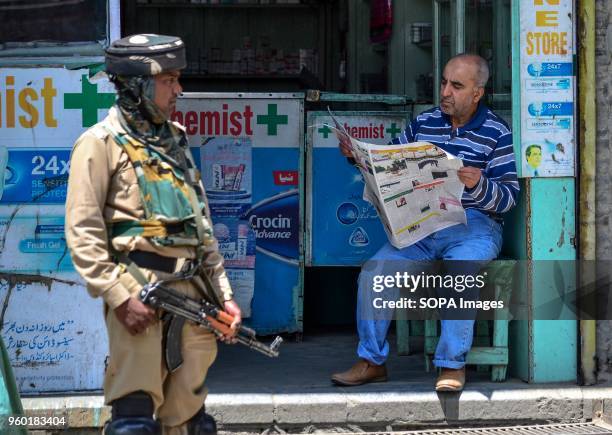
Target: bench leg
{"points": [[402, 330], [431, 339], [428, 363], [498, 372], [500, 339]]}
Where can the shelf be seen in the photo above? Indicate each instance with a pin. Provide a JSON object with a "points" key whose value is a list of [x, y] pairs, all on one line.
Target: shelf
{"points": [[227, 5]]}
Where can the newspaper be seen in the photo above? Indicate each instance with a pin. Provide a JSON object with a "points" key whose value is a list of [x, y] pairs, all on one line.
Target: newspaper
{"points": [[414, 187]]}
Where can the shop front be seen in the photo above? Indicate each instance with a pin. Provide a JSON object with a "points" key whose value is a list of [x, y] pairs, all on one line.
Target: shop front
{"points": [[288, 210]]}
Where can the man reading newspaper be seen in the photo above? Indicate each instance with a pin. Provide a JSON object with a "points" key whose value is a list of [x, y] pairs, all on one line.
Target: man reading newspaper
{"points": [[463, 126], [415, 187]]}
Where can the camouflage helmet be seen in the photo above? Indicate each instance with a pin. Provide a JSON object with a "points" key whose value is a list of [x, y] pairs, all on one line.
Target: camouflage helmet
{"points": [[145, 54]]}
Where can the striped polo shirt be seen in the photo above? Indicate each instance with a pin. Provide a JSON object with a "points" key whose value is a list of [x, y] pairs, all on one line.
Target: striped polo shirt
{"points": [[485, 142]]}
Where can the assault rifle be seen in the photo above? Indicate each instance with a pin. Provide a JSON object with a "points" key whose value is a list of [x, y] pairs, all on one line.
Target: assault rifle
{"points": [[181, 307]]}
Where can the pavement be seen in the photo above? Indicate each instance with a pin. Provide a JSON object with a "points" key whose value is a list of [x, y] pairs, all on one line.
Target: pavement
{"points": [[248, 391]]}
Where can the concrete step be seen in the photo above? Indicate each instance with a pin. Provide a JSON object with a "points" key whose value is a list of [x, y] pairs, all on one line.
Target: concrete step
{"points": [[373, 406], [252, 392]]}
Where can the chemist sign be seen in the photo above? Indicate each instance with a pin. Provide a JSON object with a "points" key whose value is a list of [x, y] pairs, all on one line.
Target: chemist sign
{"points": [[42, 112], [547, 88]]}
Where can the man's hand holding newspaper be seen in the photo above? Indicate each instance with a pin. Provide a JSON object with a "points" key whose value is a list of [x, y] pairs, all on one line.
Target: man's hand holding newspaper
{"points": [[345, 145], [469, 175], [416, 187]]}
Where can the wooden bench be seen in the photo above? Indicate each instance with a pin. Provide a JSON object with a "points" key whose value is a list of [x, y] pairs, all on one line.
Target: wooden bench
{"points": [[488, 349]]}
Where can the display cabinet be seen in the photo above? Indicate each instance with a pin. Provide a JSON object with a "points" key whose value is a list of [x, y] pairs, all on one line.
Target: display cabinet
{"points": [[244, 45]]}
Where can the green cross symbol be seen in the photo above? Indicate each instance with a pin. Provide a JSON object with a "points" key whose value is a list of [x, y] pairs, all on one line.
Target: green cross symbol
{"points": [[272, 119], [89, 101], [325, 131], [393, 130]]}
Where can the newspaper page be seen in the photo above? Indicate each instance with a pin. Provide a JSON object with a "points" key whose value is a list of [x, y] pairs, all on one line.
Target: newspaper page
{"points": [[414, 187]]}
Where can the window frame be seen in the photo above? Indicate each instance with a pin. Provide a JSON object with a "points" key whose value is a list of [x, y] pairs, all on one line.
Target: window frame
{"points": [[67, 54]]}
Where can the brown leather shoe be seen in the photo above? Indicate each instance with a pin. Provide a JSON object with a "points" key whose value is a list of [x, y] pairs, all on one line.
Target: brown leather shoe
{"points": [[451, 380], [361, 373]]}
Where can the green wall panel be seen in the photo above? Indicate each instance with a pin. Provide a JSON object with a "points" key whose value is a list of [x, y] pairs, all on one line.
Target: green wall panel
{"points": [[554, 343]]}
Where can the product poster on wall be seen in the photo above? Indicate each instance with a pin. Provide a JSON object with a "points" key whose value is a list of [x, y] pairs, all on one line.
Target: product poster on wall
{"points": [[227, 175], [547, 89], [248, 149], [50, 325], [342, 228]]}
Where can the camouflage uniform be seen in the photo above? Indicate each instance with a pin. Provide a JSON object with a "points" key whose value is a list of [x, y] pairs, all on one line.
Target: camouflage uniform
{"points": [[124, 196]]}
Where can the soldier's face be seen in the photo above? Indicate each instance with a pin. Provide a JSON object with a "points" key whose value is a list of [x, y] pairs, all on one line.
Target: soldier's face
{"points": [[167, 90]]}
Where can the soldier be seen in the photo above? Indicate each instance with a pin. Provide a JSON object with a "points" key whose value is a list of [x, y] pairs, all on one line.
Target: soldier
{"points": [[136, 212]]}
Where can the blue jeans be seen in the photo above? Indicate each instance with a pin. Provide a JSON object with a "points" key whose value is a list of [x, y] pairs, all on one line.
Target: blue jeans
{"points": [[479, 241]]}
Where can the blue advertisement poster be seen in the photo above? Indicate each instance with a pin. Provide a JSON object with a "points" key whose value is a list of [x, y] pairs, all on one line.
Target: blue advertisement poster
{"points": [[249, 149], [226, 166], [343, 229], [36, 176]]}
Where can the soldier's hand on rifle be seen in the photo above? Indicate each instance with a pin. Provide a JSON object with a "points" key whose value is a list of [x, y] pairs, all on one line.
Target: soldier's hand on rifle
{"points": [[232, 309], [135, 316]]}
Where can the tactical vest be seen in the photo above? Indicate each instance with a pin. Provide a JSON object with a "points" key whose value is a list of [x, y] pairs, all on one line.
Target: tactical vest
{"points": [[171, 197]]}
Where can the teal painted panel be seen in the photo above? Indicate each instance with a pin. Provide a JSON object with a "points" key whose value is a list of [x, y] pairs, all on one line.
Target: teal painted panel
{"points": [[515, 246], [555, 350], [554, 343], [519, 349], [553, 218], [515, 228], [519, 340], [541, 227], [552, 281]]}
